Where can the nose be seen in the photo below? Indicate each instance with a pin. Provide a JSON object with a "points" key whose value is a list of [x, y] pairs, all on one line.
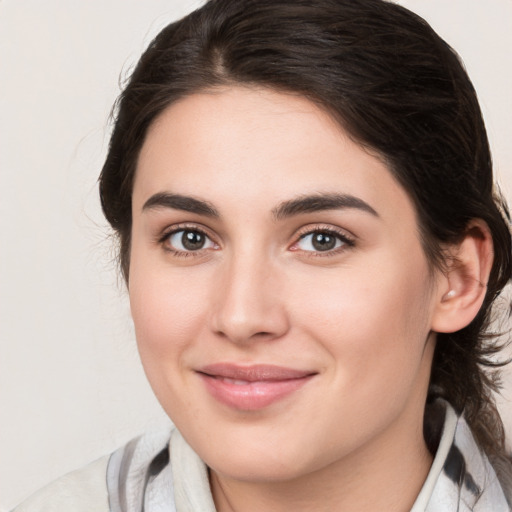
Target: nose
{"points": [[248, 303]]}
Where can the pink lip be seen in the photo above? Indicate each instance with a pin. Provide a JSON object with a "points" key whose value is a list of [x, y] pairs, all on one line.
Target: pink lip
{"points": [[254, 387]]}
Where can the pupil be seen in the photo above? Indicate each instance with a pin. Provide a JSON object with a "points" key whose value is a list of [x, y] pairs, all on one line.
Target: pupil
{"points": [[323, 242], [192, 240]]}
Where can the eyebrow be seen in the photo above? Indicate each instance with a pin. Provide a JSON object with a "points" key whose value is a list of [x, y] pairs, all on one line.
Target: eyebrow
{"points": [[180, 202], [297, 206], [321, 202]]}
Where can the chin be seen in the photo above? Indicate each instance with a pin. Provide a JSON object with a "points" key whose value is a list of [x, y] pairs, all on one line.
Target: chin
{"points": [[264, 469], [266, 459]]}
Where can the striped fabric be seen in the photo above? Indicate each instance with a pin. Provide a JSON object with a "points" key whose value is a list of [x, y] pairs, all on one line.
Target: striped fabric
{"points": [[161, 473]]}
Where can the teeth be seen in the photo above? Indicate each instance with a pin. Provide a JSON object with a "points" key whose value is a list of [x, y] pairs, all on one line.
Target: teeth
{"points": [[236, 382]]}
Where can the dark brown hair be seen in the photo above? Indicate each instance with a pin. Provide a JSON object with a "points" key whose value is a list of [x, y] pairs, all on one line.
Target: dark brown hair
{"points": [[394, 85]]}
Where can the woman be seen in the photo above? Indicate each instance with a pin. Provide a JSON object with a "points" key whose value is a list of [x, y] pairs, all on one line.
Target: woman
{"points": [[312, 244]]}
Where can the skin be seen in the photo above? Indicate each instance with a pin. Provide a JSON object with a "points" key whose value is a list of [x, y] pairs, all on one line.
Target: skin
{"points": [[359, 317]]}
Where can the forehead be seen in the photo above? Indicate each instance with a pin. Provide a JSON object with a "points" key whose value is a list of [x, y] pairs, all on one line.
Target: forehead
{"points": [[257, 146]]}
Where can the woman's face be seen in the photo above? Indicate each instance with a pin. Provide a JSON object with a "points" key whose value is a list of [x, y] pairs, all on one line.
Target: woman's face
{"points": [[281, 298]]}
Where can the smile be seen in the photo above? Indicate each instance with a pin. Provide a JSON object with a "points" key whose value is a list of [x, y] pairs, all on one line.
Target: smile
{"points": [[250, 388]]}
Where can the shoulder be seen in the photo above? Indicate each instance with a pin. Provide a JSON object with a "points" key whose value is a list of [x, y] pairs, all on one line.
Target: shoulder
{"points": [[503, 467], [461, 476], [96, 487], [83, 490]]}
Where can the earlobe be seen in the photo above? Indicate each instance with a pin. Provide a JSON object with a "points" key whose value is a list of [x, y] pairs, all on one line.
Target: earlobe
{"points": [[463, 286], [449, 295]]}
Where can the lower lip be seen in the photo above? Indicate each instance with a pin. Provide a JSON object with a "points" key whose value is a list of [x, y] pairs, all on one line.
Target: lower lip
{"points": [[253, 395]]}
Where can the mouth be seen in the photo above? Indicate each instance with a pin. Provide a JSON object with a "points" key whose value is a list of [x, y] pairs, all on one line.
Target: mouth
{"points": [[250, 388]]}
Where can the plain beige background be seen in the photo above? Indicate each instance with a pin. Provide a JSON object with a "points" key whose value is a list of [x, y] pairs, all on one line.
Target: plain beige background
{"points": [[71, 387]]}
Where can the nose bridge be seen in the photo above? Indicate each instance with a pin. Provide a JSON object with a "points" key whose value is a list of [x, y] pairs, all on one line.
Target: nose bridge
{"points": [[247, 302]]}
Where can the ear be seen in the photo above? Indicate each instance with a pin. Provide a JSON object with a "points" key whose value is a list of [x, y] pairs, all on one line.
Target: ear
{"points": [[462, 287]]}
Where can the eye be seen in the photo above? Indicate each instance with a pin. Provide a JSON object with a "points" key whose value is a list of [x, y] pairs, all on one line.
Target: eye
{"points": [[189, 240], [322, 241]]}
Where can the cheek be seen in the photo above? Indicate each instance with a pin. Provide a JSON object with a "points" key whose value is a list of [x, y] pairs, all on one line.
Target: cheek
{"points": [[168, 310], [168, 317], [373, 321], [374, 329]]}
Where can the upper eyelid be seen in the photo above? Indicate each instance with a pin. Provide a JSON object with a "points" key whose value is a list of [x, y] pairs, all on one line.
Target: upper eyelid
{"points": [[184, 226], [312, 228]]}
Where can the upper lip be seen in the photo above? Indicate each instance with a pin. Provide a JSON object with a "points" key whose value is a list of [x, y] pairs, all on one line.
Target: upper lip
{"points": [[254, 373]]}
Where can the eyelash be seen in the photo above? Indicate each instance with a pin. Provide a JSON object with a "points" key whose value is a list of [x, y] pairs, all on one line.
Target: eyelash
{"points": [[346, 240], [192, 228]]}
